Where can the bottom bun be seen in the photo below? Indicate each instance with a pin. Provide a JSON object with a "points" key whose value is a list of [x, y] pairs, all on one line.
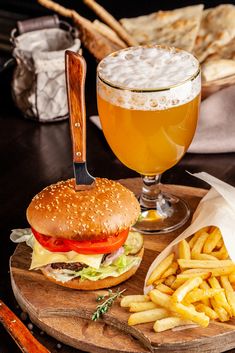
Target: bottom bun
{"points": [[107, 282]]}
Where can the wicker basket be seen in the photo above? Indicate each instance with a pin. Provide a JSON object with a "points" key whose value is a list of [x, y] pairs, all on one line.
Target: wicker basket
{"points": [[213, 86]]}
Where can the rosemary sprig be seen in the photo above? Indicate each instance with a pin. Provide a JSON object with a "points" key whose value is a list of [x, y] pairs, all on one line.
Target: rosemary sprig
{"points": [[106, 305]]}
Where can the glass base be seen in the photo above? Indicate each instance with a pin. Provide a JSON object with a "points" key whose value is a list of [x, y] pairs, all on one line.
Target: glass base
{"points": [[164, 216]]}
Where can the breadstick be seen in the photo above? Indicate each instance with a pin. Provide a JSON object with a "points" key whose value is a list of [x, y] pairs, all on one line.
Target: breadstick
{"points": [[111, 22], [98, 44], [61, 10], [108, 32]]}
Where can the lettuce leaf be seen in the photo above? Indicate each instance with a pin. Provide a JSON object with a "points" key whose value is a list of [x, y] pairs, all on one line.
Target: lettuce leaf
{"points": [[120, 266], [22, 235]]}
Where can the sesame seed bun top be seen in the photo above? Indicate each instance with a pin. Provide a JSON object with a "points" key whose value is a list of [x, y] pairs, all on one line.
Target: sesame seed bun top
{"points": [[60, 211]]}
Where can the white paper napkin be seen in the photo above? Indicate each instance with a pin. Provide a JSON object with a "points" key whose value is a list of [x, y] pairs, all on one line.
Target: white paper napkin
{"points": [[217, 208], [216, 126]]}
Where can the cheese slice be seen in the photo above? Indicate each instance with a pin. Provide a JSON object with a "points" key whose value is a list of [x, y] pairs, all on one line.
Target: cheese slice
{"points": [[42, 257]]}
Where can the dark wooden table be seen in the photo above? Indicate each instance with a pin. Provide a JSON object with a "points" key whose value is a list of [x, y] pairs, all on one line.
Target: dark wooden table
{"points": [[33, 155]]}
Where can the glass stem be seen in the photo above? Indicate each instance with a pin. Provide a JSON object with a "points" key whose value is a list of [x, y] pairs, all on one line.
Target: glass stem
{"points": [[150, 190], [152, 197]]}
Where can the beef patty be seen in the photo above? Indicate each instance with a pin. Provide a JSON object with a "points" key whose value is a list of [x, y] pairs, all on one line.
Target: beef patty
{"points": [[75, 266]]}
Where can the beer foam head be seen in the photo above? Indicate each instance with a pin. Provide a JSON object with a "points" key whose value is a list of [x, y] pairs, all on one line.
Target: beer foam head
{"points": [[166, 75]]}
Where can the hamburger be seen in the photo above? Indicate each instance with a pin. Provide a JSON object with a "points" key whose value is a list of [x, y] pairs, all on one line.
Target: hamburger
{"points": [[81, 239]]}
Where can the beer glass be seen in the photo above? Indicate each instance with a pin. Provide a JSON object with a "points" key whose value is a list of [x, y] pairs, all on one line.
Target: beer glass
{"points": [[148, 102]]}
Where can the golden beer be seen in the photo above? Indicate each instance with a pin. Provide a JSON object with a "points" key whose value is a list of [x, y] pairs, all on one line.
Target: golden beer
{"points": [[149, 142]]}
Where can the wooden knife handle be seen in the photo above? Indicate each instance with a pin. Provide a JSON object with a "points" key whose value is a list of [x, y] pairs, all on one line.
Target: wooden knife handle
{"points": [[19, 332], [75, 67]]}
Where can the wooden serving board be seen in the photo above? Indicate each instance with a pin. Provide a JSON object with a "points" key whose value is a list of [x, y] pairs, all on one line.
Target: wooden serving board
{"points": [[66, 314]]}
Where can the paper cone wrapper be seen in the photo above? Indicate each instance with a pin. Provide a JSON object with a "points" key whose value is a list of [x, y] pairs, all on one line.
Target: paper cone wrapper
{"points": [[217, 208]]}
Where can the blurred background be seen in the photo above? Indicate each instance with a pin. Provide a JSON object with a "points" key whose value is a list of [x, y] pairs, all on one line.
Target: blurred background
{"points": [[32, 171]]}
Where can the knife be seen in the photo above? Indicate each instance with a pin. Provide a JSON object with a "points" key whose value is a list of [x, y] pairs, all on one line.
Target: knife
{"points": [[75, 67], [21, 335]]}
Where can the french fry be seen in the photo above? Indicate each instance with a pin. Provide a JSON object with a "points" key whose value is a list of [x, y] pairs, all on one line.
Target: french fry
{"points": [[202, 308], [169, 280], [197, 235], [177, 283], [212, 240], [165, 289], [220, 298], [160, 298], [128, 299], [147, 316], [197, 295], [204, 285], [224, 250], [222, 254], [186, 313], [232, 277], [215, 272], [171, 270], [206, 301], [230, 295], [204, 263], [206, 257], [219, 255], [169, 323], [190, 313], [184, 276], [221, 312], [222, 271], [223, 247], [198, 245], [158, 281], [186, 287], [136, 307], [184, 250], [195, 271], [220, 243], [194, 239], [160, 269]]}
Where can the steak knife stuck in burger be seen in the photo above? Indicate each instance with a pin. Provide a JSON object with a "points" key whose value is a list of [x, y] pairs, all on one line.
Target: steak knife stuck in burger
{"points": [[80, 227], [81, 239]]}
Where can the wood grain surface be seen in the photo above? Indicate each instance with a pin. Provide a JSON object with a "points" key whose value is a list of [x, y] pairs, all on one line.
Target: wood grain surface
{"points": [[66, 314]]}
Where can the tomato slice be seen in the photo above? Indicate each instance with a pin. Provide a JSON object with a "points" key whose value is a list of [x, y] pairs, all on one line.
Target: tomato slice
{"points": [[50, 243], [111, 244]]}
